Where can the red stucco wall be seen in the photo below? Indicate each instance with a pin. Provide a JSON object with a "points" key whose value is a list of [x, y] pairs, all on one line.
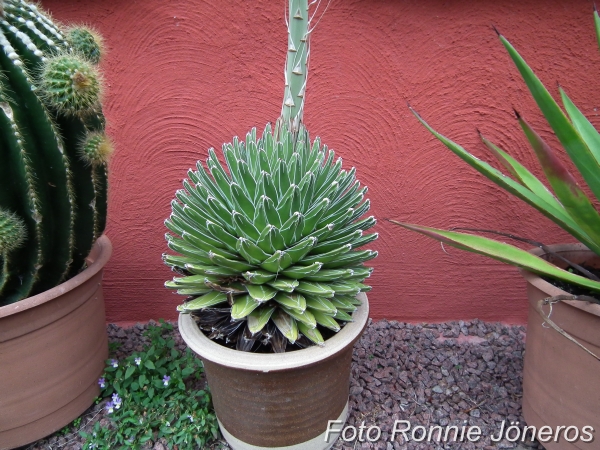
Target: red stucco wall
{"points": [[183, 76]]}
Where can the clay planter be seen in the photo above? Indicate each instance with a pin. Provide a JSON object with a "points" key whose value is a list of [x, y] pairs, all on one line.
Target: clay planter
{"points": [[282, 401], [52, 350], [559, 378]]}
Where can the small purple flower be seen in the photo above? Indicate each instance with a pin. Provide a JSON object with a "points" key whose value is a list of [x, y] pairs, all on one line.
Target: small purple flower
{"points": [[114, 363], [102, 382], [138, 361], [109, 407], [116, 400], [166, 379]]}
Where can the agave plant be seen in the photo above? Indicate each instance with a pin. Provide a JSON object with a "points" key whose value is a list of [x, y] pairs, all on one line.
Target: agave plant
{"points": [[267, 241], [567, 204]]}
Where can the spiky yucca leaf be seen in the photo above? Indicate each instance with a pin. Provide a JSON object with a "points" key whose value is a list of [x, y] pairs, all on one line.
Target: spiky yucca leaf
{"points": [[262, 233]]}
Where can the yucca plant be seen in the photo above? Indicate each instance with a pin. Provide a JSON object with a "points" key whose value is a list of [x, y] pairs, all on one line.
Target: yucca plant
{"points": [[267, 241], [53, 150], [568, 205]]}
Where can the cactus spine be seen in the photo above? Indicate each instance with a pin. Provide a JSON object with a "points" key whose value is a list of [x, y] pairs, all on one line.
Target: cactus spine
{"points": [[49, 107]]}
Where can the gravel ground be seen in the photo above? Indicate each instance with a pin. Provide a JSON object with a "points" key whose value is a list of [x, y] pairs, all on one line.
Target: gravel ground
{"points": [[456, 373]]}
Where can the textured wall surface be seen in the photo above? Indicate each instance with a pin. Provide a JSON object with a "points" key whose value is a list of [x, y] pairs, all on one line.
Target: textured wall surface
{"points": [[186, 75]]}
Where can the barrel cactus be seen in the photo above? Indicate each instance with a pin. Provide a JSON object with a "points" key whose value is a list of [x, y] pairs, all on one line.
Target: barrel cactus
{"points": [[267, 243], [53, 171]]}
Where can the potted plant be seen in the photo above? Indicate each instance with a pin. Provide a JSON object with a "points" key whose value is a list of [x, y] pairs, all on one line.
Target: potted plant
{"points": [[559, 373], [266, 256], [53, 182]]}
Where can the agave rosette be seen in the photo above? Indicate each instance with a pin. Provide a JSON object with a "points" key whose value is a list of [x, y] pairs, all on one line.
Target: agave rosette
{"points": [[268, 243]]}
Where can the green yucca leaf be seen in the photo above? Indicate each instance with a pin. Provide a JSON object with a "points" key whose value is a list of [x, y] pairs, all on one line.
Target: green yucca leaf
{"points": [[258, 318], [286, 324], [326, 320]]}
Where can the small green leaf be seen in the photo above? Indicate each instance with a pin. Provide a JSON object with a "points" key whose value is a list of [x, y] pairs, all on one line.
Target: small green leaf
{"points": [[149, 364]]}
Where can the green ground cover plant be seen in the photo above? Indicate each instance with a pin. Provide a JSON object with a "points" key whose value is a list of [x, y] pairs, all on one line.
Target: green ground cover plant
{"points": [[155, 393]]}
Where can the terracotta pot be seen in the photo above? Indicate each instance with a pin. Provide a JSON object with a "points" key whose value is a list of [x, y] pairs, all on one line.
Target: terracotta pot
{"points": [[282, 401], [52, 350], [559, 378]]}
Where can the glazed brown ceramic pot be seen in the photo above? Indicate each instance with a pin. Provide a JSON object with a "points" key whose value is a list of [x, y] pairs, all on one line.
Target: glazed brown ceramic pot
{"points": [[52, 350], [279, 401], [560, 380]]}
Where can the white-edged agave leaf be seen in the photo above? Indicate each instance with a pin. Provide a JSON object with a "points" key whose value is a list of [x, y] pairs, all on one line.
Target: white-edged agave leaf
{"points": [[261, 292], [329, 275], [307, 186], [258, 318], [220, 233], [364, 240], [191, 280], [242, 306], [350, 259], [271, 192], [284, 284], [243, 226], [194, 241], [301, 249], [313, 215], [341, 218], [270, 239], [247, 181], [177, 260], [305, 317], [347, 287], [290, 228], [196, 290], [342, 304], [210, 299], [220, 211], [250, 251], [320, 304], [359, 273], [277, 262], [198, 269], [229, 288], [179, 246], [332, 244], [358, 212], [323, 233], [326, 320], [333, 255], [311, 333], [315, 289], [230, 263], [286, 324], [343, 316], [260, 219], [299, 272], [293, 301], [350, 299], [258, 276], [363, 224]]}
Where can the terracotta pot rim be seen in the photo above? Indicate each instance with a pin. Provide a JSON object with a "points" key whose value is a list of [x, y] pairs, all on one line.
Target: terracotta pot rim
{"points": [[103, 251], [541, 284], [270, 362]]}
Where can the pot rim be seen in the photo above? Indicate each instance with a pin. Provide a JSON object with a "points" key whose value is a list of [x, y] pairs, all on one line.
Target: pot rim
{"points": [[270, 362], [99, 256], [541, 284]]}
